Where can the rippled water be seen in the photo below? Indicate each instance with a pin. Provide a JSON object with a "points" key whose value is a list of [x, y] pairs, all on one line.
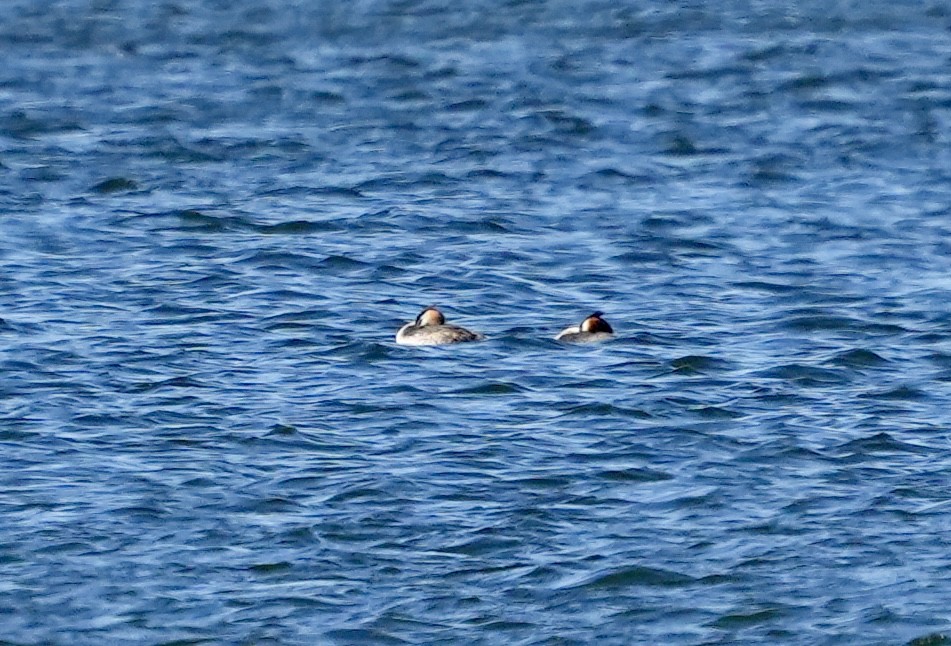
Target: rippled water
{"points": [[216, 215]]}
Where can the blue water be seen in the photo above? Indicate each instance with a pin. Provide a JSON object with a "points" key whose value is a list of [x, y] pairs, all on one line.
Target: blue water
{"points": [[215, 215]]}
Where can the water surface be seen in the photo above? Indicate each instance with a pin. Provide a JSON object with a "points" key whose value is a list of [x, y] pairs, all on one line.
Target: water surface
{"points": [[216, 215]]}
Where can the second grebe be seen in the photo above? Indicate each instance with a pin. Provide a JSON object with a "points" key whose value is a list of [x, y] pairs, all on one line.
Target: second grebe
{"points": [[592, 329]]}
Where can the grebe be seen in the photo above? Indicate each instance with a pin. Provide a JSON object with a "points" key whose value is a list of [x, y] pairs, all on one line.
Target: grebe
{"points": [[592, 329], [430, 329]]}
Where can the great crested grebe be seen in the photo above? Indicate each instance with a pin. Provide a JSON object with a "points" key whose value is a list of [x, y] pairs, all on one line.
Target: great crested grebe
{"points": [[430, 329], [592, 329]]}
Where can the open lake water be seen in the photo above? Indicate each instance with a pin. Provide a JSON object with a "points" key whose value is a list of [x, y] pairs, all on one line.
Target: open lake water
{"points": [[215, 215]]}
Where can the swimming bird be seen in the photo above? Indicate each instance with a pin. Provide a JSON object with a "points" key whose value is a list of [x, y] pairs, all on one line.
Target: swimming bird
{"points": [[592, 329], [430, 329]]}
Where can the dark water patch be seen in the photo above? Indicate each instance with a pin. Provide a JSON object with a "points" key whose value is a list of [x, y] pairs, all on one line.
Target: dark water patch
{"points": [[805, 375], [297, 227], [385, 271], [115, 185], [602, 410], [692, 247], [542, 483], [142, 513], [93, 420], [166, 313], [481, 546], [698, 364], [615, 176], [40, 174], [504, 625], [680, 145], [658, 223], [858, 358], [191, 219], [299, 344], [589, 384], [741, 619], [394, 61], [774, 169], [188, 381], [20, 124], [495, 388], [279, 567], [376, 352], [899, 393], [271, 260], [290, 323], [566, 123], [782, 451], [326, 97], [339, 264], [301, 483], [886, 329], [282, 430], [388, 183], [810, 81], [488, 225], [361, 636], [828, 105], [289, 300], [942, 359], [171, 150], [468, 105], [711, 73], [434, 180], [355, 494], [648, 258], [879, 443], [760, 53], [700, 498], [488, 174], [766, 286], [634, 475], [822, 323], [933, 639], [14, 435], [715, 412], [337, 191], [632, 576]]}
